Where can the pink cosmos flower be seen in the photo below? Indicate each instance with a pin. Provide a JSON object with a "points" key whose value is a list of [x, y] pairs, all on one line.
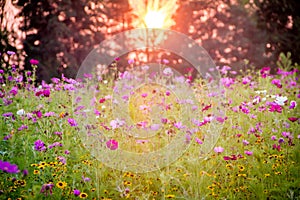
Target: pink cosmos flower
{"points": [[34, 62], [249, 153], [265, 71], [245, 142], [218, 149], [112, 144], [273, 137], [275, 108], [198, 141], [72, 122], [130, 61], [179, 125], [277, 82]]}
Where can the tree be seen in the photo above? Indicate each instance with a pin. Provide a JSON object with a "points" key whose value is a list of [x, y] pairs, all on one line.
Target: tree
{"points": [[281, 20], [226, 29], [7, 37], [59, 34]]}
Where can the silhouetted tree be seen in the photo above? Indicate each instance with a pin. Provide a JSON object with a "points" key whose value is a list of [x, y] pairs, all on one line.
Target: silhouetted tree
{"points": [[281, 20], [59, 34]]}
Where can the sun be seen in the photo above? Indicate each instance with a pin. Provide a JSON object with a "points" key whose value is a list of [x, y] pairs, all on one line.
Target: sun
{"points": [[154, 19]]}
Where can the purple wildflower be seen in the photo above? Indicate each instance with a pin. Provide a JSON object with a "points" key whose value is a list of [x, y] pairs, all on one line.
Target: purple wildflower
{"points": [[22, 127], [281, 140], [39, 145], [85, 179], [8, 168], [293, 104], [72, 122], [11, 53], [14, 91], [76, 192]]}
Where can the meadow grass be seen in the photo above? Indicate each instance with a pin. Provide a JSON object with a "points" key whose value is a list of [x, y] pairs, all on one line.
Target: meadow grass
{"points": [[255, 157]]}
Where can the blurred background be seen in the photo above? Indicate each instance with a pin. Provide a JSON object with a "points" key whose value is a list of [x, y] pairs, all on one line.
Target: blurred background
{"points": [[61, 33]]}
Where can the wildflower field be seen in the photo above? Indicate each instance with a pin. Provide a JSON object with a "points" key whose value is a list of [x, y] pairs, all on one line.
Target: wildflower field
{"points": [[46, 153]]}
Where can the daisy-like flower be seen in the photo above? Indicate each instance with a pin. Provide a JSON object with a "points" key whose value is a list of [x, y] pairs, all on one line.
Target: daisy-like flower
{"points": [[21, 112], [293, 104], [61, 184], [72, 122], [168, 71], [112, 144], [280, 100], [8, 168], [219, 149], [249, 153], [83, 195]]}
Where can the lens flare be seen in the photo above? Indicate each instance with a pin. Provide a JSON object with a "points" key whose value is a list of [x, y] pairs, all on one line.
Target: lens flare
{"points": [[153, 13], [154, 19]]}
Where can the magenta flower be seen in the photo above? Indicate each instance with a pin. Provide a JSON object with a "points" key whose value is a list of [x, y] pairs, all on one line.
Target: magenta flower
{"points": [[144, 95], [198, 141], [286, 134], [249, 153], [130, 61], [227, 82], [275, 108], [14, 91], [39, 145], [265, 72], [245, 142], [276, 147], [293, 119], [72, 122], [8, 168], [277, 82], [102, 100], [34, 62], [293, 104], [76, 192], [273, 137], [112, 144], [218, 149], [179, 125], [246, 80]]}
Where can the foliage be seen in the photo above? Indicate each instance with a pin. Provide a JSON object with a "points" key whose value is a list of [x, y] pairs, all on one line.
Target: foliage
{"points": [[281, 20]]}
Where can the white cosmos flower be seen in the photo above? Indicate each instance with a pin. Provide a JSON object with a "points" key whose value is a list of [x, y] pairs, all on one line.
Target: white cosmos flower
{"points": [[281, 100], [21, 112], [168, 71]]}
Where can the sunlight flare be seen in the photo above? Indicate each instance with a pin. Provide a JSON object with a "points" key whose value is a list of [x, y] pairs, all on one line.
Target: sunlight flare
{"points": [[153, 13]]}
